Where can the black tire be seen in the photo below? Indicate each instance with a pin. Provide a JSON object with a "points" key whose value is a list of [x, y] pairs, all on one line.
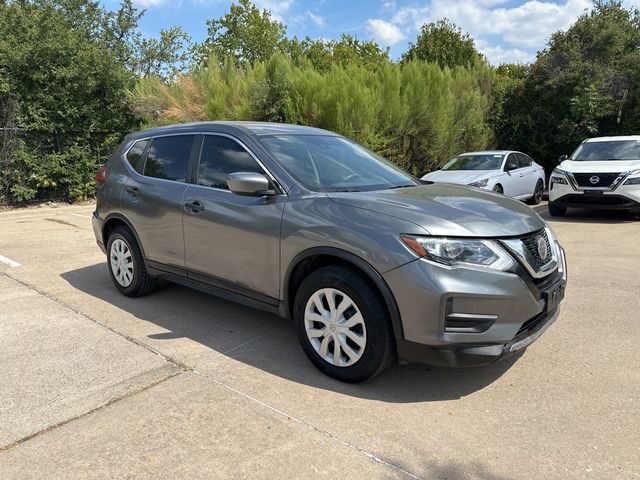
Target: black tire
{"points": [[498, 189], [379, 349], [142, 283], [557, 209], [538, 193]]}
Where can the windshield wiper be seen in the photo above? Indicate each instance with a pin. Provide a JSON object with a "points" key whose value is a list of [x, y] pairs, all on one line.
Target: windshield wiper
{"points": [[401, 186]]}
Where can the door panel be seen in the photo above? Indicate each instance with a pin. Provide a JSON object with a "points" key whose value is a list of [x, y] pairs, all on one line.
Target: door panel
{"points": [[153, 202], [232, 239], [512, 183]]}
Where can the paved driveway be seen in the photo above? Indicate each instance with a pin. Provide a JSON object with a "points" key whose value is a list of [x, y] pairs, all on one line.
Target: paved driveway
{"points": [[183, 385]]}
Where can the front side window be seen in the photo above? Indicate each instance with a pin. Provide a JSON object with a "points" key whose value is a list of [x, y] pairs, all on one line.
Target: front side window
{"points": [[134, 155], [331, 163], [168, 157], [482, 161], [220, 157], [608, 150], [511, 163]]}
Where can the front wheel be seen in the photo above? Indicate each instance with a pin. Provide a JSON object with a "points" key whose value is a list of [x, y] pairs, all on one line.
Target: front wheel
{"points": [[557, 209], [343, 324], [498, 189]]}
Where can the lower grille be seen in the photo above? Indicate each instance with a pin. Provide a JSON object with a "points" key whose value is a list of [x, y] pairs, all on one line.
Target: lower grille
{"points": [[600, 180], [604, 200]]}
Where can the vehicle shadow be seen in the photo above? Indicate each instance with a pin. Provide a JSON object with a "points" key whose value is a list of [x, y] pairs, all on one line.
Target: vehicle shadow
{"points": [[575, 215], [208, 320]]}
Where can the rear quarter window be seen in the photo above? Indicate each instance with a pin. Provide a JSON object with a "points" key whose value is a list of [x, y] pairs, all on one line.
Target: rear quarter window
{"points": [[134, 155]]}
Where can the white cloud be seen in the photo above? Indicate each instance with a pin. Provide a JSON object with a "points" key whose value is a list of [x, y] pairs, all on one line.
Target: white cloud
{"points": [[385, 33], [521, 29], [278, 8], [307, 16]]}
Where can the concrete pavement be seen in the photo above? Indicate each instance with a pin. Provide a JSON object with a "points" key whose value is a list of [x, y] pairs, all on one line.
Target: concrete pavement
{"points": [[181, 384]]}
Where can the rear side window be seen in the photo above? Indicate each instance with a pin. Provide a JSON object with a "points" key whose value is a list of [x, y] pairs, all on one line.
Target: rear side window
{"points": [[523, 160], [168, 157], [134, 155], [220, 157]]}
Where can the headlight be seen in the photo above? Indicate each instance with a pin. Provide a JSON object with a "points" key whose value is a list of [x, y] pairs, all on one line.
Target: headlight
{"points": [[451, 251], [480, 183], [635, 180], [561, 180]]}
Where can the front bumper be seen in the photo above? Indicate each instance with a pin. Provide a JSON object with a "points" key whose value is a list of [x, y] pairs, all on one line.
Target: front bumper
{"points": [[624, 197], [509, 310]]}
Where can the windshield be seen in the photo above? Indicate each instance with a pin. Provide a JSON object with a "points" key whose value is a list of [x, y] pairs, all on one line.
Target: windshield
{"points": [[330, 164], [610, 150], [483, 161]]}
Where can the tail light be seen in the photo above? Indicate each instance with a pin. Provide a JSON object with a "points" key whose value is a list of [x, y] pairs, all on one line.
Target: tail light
{"points": [[101, 176]]}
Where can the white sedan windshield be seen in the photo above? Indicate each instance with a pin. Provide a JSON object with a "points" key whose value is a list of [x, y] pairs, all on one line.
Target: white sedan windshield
{"points": [[475, 162]]}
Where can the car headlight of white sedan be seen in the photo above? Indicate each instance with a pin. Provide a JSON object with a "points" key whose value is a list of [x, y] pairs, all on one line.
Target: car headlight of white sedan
{"points": [[480, 183]]}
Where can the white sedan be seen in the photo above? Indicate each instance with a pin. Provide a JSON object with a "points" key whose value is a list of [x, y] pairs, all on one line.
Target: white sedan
{"points": [[502, 171]]}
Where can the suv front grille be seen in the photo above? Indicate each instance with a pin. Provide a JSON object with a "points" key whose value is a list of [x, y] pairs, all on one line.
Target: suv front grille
{"points": [[535, 252], [604, 179], [530, 243]]}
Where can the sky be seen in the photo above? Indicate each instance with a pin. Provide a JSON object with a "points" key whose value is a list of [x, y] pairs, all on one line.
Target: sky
{"points": [[504, 30]]}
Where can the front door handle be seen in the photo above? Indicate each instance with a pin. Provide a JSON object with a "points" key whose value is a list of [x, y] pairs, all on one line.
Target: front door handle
{"points": [[193, 207]]}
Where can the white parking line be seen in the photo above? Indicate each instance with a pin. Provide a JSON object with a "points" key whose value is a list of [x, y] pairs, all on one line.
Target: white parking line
{"points": [[83, 216], [8, 261]]}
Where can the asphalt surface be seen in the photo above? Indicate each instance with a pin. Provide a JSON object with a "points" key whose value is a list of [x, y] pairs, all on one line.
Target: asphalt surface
{"points": [[184, 385]]}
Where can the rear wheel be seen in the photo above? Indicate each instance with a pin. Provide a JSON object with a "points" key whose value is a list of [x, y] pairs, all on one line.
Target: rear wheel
{"points": [[536, 198], [343, 324], [126, 265], [557, 209]]}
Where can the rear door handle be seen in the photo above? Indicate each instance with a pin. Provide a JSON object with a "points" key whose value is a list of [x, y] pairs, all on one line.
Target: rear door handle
{"points": [[193, 207], [133, 191]]}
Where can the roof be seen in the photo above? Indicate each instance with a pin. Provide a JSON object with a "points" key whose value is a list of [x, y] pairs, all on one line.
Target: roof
{"points": [[620, 138], [488, 152], [255, 128]]}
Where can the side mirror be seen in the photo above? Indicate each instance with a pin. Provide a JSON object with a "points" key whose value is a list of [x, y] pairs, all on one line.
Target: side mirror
{"points": [[509, 168], [562, 158], [249, 183]]}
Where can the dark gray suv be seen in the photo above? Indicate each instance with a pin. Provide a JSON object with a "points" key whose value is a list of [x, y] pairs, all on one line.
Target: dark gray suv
{"points": [[370, 263]]}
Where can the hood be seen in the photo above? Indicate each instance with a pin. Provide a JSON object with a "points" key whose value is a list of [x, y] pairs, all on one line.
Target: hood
{"points": [[602, 166], [463, 177], [449, 210]]}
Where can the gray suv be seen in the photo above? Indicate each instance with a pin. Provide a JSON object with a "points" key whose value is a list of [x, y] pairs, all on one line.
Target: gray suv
{"points": [[370, 263]]}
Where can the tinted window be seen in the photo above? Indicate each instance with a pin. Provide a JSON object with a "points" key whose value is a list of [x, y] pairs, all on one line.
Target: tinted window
{"points": [[220, 157], [134, 156], [168, 157], [523, 160], [511, 163]]}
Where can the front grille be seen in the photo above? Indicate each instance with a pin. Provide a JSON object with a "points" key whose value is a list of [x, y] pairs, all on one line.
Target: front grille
{"points": [[530, 243], [604, 179]]}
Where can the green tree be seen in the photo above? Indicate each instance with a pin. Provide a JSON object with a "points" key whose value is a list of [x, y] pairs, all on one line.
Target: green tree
{"points": [[244, 33], [442, 42], [165, 55], [347, 51]]}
